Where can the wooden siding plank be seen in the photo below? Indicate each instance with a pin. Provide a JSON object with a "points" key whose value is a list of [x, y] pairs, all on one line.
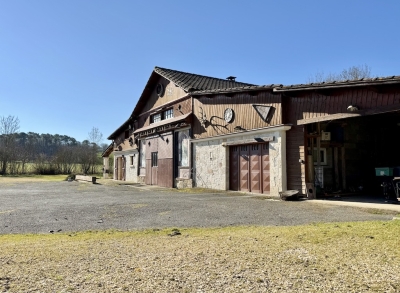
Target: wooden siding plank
{"points": [[244, 113]]}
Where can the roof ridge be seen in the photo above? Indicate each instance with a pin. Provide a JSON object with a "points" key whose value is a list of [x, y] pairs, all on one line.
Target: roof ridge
{"points": [[165, 72]]}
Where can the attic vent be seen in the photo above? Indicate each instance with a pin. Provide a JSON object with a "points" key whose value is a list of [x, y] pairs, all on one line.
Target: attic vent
{"points": [[160, 89], [231, 78]]}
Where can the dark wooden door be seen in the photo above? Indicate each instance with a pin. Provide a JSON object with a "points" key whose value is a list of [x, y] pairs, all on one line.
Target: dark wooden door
{"points": [[244, 168], [154, 168], [255, 168], [249, 168]]}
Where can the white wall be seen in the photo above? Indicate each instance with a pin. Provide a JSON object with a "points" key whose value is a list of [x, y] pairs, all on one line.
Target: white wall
{"points": [[131, 171]]}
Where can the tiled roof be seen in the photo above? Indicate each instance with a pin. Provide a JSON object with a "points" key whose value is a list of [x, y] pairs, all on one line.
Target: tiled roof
{"points": [[193, 82], [337, 84], [236, 89]]}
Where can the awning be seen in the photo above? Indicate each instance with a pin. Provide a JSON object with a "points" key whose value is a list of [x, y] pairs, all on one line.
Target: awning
{"points": [[366, 112], [163, 125]]}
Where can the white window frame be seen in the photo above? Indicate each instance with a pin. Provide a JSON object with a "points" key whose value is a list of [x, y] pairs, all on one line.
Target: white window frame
{"points": [[156, 118], [169, 114]]}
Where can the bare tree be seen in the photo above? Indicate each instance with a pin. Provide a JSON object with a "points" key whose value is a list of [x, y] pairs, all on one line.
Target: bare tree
{"points": [[88, 151], [9, 127], [95, 136], [351, 73], [65, 159]]}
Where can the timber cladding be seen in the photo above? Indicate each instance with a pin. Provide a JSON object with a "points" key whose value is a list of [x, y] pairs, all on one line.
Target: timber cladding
{"points": [[294, 153], [170, 93], [180, 107], [245, 116], [159, 160], [307, 105]]}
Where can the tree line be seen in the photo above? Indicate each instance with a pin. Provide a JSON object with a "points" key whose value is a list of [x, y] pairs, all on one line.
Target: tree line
{"points": [[22, 153]]}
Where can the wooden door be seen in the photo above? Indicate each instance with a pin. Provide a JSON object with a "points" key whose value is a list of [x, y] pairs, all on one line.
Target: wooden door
{"points": [[255, 168], [119, 170], [244, 168], [249, 168], [154, 168]]}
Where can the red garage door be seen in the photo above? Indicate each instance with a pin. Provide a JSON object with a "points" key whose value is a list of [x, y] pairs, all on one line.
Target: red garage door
{"points": [[249, 168]]}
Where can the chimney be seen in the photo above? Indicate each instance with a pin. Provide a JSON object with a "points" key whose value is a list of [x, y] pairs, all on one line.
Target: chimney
{"points": [[231, 78]]}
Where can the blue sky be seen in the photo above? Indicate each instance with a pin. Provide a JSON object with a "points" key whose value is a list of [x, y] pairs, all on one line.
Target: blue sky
{"points": [[68, 66]]}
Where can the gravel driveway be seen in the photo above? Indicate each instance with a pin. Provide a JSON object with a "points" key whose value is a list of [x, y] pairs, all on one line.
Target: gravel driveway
{"points": [[40, 207]]}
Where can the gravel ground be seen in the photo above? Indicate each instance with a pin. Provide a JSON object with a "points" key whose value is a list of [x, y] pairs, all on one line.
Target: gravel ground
{"points": [[40, 207], [337, 257]]}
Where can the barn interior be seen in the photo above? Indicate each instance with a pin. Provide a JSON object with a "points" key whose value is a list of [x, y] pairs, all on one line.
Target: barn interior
{"points": [[357, 157]]}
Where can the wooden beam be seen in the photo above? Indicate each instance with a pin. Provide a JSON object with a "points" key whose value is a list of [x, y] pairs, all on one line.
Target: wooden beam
{"points": [[366, 112], [327, 118]]}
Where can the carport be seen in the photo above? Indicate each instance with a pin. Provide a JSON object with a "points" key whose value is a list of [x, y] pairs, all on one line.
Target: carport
{"points": [[356, 155], [346, 136]]}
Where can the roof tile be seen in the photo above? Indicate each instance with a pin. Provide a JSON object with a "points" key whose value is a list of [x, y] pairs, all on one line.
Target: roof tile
{"points": [[195, 82]]}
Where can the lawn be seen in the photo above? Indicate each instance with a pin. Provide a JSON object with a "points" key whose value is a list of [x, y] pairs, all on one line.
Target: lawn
{"points": [[338, 257]]}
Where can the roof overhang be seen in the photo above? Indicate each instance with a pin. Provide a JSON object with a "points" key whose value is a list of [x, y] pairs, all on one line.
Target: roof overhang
{"points": [[108, 151], [123, 127], [164, 125], [258, 131], [367, 112]]}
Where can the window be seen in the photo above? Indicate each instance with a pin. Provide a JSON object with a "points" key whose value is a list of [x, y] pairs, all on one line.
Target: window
{"points": [[131, 157], [126, 134], [322, 154], [156, 118], [183, 148], [154, 159], [168, 114], [142, 154]]}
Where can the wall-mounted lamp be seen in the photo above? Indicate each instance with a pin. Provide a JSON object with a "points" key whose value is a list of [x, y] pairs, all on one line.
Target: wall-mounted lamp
{"points": [[352, 108]]}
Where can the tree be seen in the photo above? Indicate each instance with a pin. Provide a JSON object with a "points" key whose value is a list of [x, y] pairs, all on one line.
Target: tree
{"points": [[9, 127], [88, 151], [352, 73], [95, 136]]}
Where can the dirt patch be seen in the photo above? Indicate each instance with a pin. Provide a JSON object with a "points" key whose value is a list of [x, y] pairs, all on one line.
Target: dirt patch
{"points": [[339, 257]]}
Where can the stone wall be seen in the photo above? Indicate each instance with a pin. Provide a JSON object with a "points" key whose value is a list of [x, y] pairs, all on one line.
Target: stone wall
{"points": [[211, 159], [210, 164]]}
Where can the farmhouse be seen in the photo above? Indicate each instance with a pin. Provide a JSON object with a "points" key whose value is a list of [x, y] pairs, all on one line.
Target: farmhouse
{"points": [[191, 130]]}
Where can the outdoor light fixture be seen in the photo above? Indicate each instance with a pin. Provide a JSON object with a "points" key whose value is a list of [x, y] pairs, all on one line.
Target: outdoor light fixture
{"points": [[352, 108]]}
